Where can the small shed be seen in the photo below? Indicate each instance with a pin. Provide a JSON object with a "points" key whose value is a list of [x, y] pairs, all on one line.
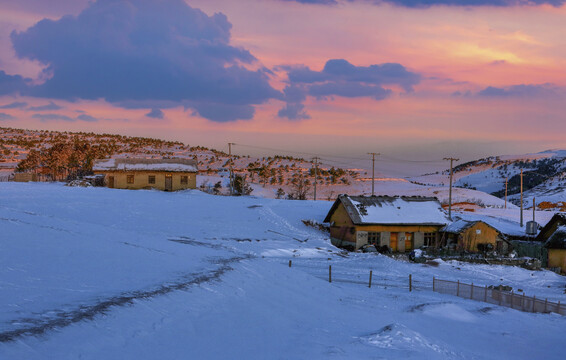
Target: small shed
{"points": [[138, 173], [401, 223], [473, 236]]}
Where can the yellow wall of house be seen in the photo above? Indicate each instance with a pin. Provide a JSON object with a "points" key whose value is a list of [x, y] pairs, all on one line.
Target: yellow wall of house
{"points": [[557, 258], [341, 217], [470, 238], [141, 180], [24, 177]]}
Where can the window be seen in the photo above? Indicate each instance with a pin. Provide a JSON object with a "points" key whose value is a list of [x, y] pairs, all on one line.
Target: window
{"points": [[374, 237], [130, 179], [184, 179], [151, 179], [429, 239]]}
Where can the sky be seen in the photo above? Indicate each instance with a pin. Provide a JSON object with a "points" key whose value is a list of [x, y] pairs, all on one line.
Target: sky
{"points": [[414, 80]]}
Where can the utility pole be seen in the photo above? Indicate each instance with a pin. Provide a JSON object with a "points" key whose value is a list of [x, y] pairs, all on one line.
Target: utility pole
{"points": [[373, 171], [316, 158], [230, 174], [450, 191], [506, 179], [521, 197]]}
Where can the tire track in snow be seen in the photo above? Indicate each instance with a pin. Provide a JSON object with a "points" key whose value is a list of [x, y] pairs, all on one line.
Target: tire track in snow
{"points": [[89, 312], [281, 222]]}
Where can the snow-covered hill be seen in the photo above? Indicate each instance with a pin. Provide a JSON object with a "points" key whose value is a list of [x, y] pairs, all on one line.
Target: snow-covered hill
{"points": [[544, 176], [96, 273]]}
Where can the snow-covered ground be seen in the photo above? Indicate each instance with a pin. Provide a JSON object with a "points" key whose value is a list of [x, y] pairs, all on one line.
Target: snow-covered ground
{"points": [[96, 273]]}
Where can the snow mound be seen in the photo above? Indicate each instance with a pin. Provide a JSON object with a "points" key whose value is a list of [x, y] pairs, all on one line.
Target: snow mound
{"points": [[399, 337], [445, 310]]}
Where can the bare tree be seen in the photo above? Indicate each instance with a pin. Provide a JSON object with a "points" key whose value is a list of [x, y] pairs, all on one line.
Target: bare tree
{"points": [[300, 187]]}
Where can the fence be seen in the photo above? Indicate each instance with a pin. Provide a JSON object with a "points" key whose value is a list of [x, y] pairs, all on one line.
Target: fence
{"points": [[468, 291], [497, 297]]}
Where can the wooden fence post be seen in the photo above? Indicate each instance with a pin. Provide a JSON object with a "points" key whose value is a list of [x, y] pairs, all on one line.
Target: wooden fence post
{"points": [[523, 302], [558, 308], [500, 296], [458, 289], [433, 285], [370, 274], [545, 302], [485, 295], [410, 282], [534, 300], [472, 291], [289, 263], [329, 273]]}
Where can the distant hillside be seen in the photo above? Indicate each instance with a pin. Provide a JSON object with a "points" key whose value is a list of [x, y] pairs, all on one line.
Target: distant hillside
{"points": [[544, 176], [62, 155]]}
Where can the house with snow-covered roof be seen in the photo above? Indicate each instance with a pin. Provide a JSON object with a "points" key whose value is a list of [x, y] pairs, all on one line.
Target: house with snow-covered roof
{"points": [[553, 238], [401, 223], [473, 236], [556, 246], [138, 173]]}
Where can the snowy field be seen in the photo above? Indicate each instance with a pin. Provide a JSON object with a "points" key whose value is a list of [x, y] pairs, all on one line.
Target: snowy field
{"points": [[96, 273]]}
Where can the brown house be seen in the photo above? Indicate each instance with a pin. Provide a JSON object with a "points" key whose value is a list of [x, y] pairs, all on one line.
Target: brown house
{"points": [[559, 219], [25, 176], [553, 235], [473, 236], [134, 173], [402, 223], [556, 246]]}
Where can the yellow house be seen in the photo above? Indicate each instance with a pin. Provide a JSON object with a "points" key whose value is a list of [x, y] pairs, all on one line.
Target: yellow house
{"points": [[136, 173], [556, 246], [25, 177], [553, 235], [473, 236], [401, 223]]}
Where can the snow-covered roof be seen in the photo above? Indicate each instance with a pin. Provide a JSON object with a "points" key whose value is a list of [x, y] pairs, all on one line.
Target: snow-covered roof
{"points": [[558, 239], [139, 164], [458, 226], [399, 210], [504, 226]]}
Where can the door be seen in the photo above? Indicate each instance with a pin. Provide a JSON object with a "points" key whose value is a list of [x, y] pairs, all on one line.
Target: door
{"points": [[168, 182], [111, 181], [393, 241], [408, 241]]}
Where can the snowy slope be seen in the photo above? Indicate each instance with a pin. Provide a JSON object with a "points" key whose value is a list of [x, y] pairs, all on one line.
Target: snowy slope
{"points": [[96, 273]]}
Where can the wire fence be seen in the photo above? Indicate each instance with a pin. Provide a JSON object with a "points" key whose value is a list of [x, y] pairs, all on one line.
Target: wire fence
{"points": [[498, 297], [495, 296]]}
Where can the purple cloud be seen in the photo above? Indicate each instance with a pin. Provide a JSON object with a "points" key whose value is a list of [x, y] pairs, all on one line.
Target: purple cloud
{"points": [[155, 113], [88, 118], [294, 111], [521, 90], [128, 51], [49, 107], [15, 105], [341, 78], [10, 84], [429, 3], [4, 116], [52, 117]]}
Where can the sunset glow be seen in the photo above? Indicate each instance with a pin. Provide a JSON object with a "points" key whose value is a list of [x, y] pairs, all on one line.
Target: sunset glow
{"points": [[297, 75]]}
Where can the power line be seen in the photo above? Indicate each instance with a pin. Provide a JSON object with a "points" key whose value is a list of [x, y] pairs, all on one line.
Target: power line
{"points": [[384, 158]]}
